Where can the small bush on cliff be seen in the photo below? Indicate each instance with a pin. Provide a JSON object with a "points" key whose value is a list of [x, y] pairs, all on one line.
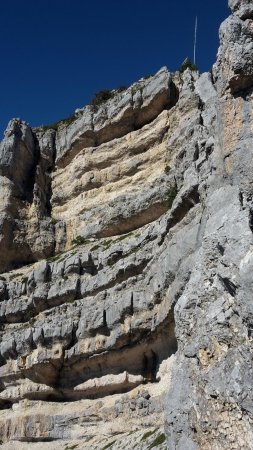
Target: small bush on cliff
{"points": [[167, 169], [71, 447], [171, 197], [160, 439], [105, 94], [148, 434], [80, 240], [101, 97], [187, 64], [54, 126], [121, 89]]}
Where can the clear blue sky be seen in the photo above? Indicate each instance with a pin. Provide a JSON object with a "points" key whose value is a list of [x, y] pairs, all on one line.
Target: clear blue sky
{"points": [[57, 53]]}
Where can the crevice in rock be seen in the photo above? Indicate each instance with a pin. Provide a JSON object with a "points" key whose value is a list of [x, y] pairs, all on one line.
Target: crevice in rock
{"points": [[132, 305], [241, 199], [251, 219], [241, 84], [196, 152], [221, 249], [230, 287], [74, 339], [186, 203], [122, 275], [5, 404]]}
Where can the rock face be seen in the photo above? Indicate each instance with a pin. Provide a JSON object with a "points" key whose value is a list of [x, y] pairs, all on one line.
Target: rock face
{"points": [[126, 285]]}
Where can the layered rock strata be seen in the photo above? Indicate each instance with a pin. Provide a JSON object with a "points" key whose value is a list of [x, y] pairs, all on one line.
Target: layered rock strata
{"points": [[128, 267]]}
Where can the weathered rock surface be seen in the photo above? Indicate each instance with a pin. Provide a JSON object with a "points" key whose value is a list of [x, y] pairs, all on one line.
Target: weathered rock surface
{"points": [[126, 289]]}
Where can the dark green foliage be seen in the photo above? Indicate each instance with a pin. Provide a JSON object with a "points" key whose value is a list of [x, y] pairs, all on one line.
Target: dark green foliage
{"points": [[54, 126], [111, 263], [121, 89], [160, 439], [134, 250], [14, 275], [28, 315], [79, 240], [101, 97], [187, 64], [105, 94], [167, 169], [171, 197], [96, 247], [146, 77], [107, 243], [55, 257], [124, 236], [148, 434]]}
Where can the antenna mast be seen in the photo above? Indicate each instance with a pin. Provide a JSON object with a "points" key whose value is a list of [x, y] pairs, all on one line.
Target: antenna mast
{"points": [[195, 40]]}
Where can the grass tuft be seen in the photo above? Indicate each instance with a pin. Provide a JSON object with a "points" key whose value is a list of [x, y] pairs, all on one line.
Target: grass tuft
{"points": [[54, 126], [148, 434], [171, 197], [187, 64], [160, 439]]}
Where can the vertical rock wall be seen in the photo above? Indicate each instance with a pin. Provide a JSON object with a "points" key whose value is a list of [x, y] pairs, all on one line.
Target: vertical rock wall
{"points": [[126, 289]]}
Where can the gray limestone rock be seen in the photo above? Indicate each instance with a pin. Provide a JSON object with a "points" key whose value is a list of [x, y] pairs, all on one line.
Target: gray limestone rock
{"points": [[138, 299]]}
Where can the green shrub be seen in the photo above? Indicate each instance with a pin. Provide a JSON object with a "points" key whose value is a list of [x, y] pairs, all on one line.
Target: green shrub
{"points": [[134, 250], [171, 197], [101, 97], [167, 169], [95, 247], [107, 243], [28, 315], [187, 64], [79, 240], [54, 126], [148, 434], [124, 236], [160, 439], [121, 89], [53, 221], [71, 447], [146, 77]]}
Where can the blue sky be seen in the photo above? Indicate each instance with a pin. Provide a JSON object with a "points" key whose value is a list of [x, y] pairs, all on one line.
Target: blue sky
{"points": [[57, 53]]}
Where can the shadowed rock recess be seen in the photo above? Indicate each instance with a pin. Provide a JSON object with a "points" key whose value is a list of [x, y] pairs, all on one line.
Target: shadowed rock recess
{"points": [[127, 258]]}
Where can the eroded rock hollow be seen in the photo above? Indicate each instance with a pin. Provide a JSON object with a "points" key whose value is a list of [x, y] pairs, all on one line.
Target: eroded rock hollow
{"points": [[126, 265]]}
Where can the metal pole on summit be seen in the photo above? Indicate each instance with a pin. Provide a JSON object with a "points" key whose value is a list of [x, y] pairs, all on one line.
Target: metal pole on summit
{"points": [[195, 40]]}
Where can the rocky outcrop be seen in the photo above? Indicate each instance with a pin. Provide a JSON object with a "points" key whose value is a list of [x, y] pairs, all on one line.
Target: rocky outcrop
{"points": [[214, 315], [26, 231], [125, 296]]}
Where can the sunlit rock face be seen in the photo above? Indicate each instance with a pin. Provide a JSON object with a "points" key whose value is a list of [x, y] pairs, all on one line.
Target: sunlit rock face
{"points": [[126, 269]]}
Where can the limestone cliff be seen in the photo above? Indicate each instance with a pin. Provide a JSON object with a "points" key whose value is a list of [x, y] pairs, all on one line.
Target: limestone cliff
{"points": [[126, 269]]}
